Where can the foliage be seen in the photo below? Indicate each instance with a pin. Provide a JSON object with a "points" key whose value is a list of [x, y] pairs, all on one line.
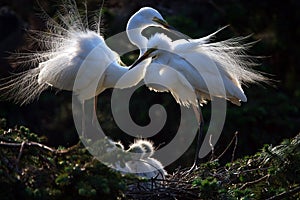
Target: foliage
{"points": [[272, 173], [31, 170], [270, 114]]}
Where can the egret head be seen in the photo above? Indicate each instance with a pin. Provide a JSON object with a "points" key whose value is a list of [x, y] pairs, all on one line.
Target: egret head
{"points": [[114, 146], [137, 150], [151, 17], [145, 17], [148, 147], [119, 145], [142, 19]]}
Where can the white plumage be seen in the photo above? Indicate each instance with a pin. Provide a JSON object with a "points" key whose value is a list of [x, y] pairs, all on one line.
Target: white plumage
{"points": [[155, 165], [77, 59], [142, 19], [140, 162], [205, 65], [199, 63], [82, 55], [196, 70]]}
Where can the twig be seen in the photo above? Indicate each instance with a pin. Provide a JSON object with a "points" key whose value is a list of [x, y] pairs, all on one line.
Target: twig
{"points": [[255, 169], [20, 154], [212, 148], [285, 194], [24, 143], [235, 145], [254, 182], [230, 143]]}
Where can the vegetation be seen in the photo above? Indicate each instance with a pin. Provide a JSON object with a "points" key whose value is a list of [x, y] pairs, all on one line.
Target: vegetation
{"points": [[29, 168]]}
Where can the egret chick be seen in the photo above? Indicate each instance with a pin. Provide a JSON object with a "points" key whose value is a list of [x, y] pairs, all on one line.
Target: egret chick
{"points": [[156, 165], [142, 164], [137, 165], [147, 147], [117, 148]]}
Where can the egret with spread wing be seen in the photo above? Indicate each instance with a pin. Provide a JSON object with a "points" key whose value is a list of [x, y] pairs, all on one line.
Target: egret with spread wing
{"points": [[74, 54], [195, 71]]}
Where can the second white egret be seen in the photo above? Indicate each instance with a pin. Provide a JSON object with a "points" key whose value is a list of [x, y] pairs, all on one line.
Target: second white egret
{"points": [[198, 71]]}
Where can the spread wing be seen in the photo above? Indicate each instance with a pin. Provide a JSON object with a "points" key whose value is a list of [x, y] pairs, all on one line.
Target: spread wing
{"points": [[162, 78]]}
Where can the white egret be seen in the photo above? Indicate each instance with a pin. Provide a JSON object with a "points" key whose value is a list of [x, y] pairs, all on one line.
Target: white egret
{"points": [[142, 163], [72, 52], [137, 159], [137, 164], [75, 52], [156, 165], [116, 148], [227, 56], [142, 19], [194, 71]]}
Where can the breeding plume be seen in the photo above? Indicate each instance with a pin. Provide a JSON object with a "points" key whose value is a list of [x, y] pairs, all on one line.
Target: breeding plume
{"points": [[72, 51], [194, 71], [75, 59]]}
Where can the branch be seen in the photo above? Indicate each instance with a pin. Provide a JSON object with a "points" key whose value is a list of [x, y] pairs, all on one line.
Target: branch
{"points": [[254, 182], [285, 194], [24, 143], [235, 145], [212, 148], [20, 154], [226, 149]]}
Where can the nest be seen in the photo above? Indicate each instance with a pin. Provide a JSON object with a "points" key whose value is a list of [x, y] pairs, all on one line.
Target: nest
{"points": [[176, 186], [270, 174]]}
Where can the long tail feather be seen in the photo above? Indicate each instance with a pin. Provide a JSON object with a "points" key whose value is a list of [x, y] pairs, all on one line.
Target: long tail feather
{"points": [[231, 56]]}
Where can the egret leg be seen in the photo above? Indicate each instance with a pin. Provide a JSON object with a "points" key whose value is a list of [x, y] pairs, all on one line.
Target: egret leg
{"points": [[89, 118], [83, 119], [200, 137], [95, 119]]}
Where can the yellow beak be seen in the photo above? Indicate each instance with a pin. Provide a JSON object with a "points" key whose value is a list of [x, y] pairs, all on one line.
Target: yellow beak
{"points": [[167, 26], [143, 57]]}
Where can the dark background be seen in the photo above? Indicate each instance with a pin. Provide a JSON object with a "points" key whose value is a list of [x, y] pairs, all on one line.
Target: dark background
{"points": [[271, 113]]}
